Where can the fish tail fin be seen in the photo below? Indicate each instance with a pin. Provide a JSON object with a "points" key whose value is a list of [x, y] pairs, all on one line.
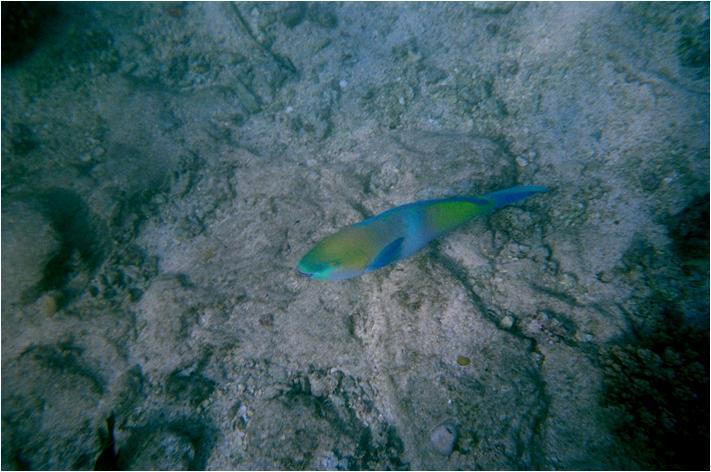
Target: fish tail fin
{"points": [[510, 195]]}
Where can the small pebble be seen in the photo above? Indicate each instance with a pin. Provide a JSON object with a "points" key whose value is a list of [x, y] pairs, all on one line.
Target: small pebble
{"points": [[568, 280], [444, 437], [463, 361], [242, 412], [506, 322], [521, 161], [342, 83], [49, 305]]}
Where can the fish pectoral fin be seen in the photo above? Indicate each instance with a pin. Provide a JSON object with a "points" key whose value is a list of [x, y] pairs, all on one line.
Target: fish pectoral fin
{"points": [[390, 253]]}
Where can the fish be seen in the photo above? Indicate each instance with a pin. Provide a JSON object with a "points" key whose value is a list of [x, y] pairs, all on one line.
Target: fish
{"points": [[399, 232]]}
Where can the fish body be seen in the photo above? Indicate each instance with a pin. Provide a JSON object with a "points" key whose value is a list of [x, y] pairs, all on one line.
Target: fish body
{"points": [[398, 233]]}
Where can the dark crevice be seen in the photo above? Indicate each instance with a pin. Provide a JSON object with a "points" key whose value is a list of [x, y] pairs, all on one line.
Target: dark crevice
{"points": [[362, 210], [370, 451], [25, 25], [66, 359], [462, 276], [689, 231], [560, 296], [283, 62], [538, 459], [108, 459], [82, 244]]}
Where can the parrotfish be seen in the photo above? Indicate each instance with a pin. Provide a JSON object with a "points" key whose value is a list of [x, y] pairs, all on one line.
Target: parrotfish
{"points": [[398, 233]]}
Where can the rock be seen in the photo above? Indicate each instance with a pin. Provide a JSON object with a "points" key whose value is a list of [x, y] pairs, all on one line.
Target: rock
{"points": [[444, 437], [49, 304], [506, 322]]}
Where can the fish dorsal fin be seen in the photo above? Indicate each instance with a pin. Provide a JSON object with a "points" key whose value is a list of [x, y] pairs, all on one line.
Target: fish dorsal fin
{"points": [[390, 253]]}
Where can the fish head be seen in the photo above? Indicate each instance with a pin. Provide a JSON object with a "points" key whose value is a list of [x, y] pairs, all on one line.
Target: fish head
{"points": [[340, 256]]}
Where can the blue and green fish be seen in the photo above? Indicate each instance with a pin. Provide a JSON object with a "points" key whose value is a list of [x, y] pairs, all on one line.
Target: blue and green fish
{"points": [[398, 233]]}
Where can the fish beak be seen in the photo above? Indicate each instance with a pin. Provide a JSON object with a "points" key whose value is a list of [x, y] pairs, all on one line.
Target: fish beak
{"points": [[303, 274]]}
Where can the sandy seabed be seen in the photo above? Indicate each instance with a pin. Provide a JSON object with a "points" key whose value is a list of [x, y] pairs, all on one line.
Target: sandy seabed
{"points": [[165, 165]]}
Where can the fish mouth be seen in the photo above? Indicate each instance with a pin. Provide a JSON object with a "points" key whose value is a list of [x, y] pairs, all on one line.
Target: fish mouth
{"points": [[301, 273]]}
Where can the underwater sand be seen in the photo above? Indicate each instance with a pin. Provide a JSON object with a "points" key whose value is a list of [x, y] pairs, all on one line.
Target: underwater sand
{"points": [[166, 165]]}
